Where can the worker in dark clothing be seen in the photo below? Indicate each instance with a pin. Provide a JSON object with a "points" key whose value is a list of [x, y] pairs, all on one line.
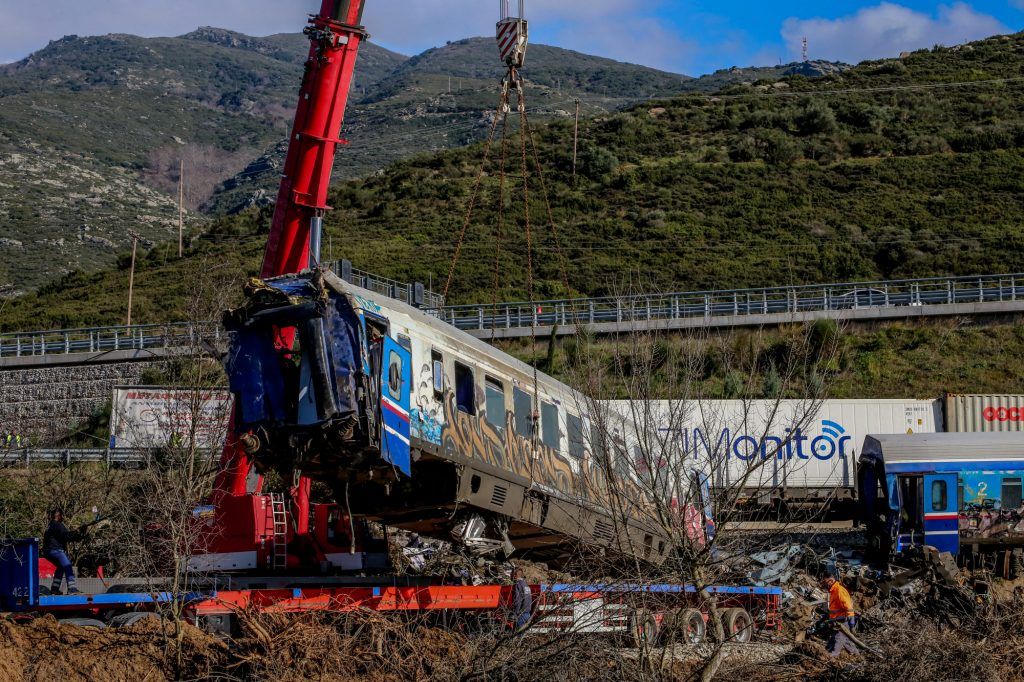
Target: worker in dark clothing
{"points": [[840, 613], [522, 600], [55, 549]]}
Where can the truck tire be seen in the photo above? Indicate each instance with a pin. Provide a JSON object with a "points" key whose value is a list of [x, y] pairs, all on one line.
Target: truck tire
{"points": [[738, 626], [692, 628], [84, 622], [123, 620], [644, 629]]}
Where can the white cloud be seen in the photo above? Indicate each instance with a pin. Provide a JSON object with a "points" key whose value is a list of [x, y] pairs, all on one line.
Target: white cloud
{"points": [[887, 29]]}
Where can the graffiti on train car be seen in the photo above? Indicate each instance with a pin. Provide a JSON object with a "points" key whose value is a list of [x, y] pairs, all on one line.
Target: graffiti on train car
{"points": [[475, 437], [978, 521], [426, 423], [990, 507], [461, 435]]}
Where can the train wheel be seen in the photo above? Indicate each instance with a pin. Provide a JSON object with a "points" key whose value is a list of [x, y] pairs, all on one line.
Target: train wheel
{"points": [[738, 626], [644, 628]]}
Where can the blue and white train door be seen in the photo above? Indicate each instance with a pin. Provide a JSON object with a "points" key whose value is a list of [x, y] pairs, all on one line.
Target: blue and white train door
{"points": [[941, 516], [395, 382]]}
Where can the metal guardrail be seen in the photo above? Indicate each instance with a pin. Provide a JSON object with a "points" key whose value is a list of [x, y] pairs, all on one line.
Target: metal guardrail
{"points": [[918, 293], [123, 457], [179, 335], [400, 291], [911, 294], [106, 339]]}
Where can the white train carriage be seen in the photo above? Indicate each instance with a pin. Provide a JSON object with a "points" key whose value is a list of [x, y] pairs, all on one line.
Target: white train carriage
{"points": [[423, 426]]}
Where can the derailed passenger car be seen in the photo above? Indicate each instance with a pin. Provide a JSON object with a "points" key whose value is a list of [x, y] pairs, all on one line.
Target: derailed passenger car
{"points": [[957, 492], [424, 427]]}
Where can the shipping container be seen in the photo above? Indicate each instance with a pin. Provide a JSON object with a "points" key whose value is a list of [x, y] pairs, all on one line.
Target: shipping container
{"points": [[797, 450], [973, 413]]}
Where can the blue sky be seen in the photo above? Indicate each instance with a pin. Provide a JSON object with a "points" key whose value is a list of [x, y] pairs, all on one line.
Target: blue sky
{"points": [[688, 36]]}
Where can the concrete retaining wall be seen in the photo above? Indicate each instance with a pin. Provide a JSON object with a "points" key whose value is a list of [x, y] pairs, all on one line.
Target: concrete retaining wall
{"points": [[44, 403]]}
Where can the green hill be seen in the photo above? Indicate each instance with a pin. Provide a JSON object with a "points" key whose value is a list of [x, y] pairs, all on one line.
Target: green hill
{"points": [[895, 168], [444, 98], [92, 131], [551, 67]]}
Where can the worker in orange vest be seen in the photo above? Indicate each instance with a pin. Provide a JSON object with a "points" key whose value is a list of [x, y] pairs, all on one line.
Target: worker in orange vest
{"points": [[840, 612]]}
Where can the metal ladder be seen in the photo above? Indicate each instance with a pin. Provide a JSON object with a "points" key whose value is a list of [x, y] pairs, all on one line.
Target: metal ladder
{"points": [[280, 518]]}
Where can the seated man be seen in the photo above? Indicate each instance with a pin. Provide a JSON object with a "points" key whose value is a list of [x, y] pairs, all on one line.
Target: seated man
{"points": [[55, 546]]}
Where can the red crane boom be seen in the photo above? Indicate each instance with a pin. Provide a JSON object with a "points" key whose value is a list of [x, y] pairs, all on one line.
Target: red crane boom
{"points": [[243, 518], [302, 200]]}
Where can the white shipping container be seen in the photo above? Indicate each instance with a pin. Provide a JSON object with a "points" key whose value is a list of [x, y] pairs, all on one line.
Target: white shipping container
{"points": [[768, 444]]}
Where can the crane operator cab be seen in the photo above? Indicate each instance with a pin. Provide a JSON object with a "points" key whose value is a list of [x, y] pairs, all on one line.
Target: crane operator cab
{"points": [[320, 385]]}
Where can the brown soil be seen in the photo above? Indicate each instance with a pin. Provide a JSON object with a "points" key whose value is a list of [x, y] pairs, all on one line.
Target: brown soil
{"points": [[45, 649]]}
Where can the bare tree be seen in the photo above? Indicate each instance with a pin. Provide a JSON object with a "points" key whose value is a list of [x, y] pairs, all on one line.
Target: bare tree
{"points": [[648, 460], [162, 525]]}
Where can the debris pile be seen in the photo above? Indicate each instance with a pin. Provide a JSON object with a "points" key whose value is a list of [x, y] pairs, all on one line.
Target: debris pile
{"points": [[416, 555]]}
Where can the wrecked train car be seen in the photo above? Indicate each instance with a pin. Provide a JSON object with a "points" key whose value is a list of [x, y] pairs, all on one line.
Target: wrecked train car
{"points": [[422, 426], [957, 492]]}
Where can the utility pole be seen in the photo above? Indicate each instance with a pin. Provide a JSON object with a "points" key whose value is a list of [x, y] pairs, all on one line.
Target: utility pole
{"points": [[576, 139], [131, 273], [181, 209]]}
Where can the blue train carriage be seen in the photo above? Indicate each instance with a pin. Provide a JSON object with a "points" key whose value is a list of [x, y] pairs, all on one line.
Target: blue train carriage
{"points": [[957, 492], [422, 426]]}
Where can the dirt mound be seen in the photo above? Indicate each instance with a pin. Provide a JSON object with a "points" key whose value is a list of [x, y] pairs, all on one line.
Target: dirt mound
{"points": [[46, 649], [355, 646]]}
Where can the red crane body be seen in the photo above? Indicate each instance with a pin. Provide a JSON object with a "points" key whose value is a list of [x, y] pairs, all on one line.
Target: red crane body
{"points": [[242, 516]]}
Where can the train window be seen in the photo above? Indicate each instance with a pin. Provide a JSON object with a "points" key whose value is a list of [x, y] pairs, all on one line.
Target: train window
{"points": [[405, 342], [939, 496], [522, 405], [395, 376], [495, 395], [1011, 493], [960, 496], [437, 364], [465, 398], [577, 446], [597, 444], [622, 463], [550, 433]]}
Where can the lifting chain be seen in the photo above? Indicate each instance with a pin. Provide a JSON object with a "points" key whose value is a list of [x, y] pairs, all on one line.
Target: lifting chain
{"points": [[527, 152]]}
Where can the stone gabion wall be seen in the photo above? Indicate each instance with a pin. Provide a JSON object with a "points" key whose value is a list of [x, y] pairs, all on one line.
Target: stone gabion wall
{"points": [[43, 404]]}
